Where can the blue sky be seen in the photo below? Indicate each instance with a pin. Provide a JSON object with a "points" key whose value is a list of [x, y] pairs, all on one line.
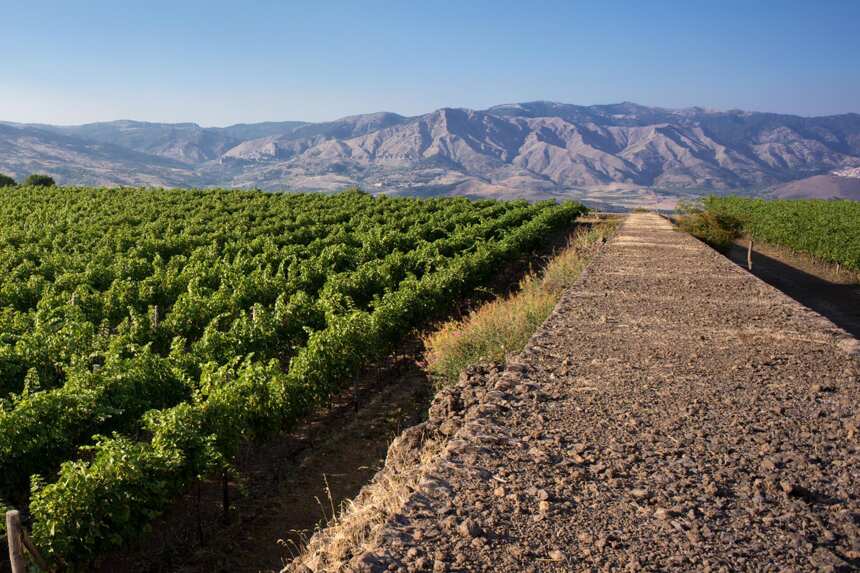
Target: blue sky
{"points": [[218, 63]]}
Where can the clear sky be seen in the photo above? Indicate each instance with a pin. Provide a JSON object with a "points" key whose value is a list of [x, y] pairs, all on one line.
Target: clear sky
{"points": [[218, 63]]}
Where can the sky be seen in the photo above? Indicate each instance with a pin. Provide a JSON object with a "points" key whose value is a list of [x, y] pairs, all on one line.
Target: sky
{"points": [[218, 63]]}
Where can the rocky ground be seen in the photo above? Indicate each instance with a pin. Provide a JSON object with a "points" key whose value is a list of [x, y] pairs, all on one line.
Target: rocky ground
{"points": [[674, 413]]}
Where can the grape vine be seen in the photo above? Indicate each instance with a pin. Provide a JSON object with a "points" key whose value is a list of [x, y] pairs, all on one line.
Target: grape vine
{"points": [[827, 230], [145, 334]]}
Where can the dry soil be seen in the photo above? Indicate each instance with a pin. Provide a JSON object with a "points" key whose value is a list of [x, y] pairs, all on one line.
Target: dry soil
{"points": [[674, 413]]}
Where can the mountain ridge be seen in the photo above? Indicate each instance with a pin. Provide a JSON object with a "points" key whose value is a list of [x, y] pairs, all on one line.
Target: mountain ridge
{"points": [[528, 149]]}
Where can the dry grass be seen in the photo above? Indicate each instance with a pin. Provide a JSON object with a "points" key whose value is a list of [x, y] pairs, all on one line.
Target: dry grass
{"points": [[356, 527], [503, 326]]}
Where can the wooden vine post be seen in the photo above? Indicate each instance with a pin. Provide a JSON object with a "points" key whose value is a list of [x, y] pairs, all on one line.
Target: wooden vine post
{"points": [[749, 254], [19, 541], [199, 518], [225, 497], [355, 391], [16, 541]]}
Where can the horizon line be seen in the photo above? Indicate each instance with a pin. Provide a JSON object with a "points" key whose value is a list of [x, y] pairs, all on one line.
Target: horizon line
{"points": [[704, 109]]}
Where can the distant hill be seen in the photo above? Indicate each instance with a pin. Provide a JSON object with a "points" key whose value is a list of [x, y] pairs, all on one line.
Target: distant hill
{"points": [[74, 160], [608, 153], [820, 187]]}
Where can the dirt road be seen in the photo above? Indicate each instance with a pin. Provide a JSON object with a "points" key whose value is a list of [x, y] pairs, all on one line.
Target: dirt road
{"points": [[674, 413]]}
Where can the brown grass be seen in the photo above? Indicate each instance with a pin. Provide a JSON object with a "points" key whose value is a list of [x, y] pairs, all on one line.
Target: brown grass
{"points": [[356, 527], [503, 326]]}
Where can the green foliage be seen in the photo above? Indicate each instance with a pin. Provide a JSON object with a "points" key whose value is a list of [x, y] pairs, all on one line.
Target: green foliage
{"points": [[827, 230], [6, 181], [717, 229], [39, 180], [174, 325], [43, 428]]}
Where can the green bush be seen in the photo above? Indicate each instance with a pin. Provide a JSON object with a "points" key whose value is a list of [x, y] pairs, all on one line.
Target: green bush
{"points": [[6, 181], [716, 229], [39, 180]]}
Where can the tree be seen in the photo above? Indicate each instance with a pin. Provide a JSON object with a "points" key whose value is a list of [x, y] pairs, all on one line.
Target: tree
{"points": [[38, 180], [6, 181]]}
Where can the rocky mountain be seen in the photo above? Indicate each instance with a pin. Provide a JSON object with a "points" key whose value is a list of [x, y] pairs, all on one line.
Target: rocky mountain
{"points": [[77, 161], [185, 142], [603, 153]]}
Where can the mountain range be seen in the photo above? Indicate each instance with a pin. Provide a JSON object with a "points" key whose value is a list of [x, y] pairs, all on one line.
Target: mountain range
{"points": [[621, 154]]}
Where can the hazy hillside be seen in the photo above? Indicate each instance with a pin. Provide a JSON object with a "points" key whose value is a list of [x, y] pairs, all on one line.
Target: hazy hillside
{"points": [[820, 187], [73, 160], [608, 153]]}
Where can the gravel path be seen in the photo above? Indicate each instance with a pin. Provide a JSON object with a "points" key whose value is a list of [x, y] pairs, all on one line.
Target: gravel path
{"points": [[674, 413]]}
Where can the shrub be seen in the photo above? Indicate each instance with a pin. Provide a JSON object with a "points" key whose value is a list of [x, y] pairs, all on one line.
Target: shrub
{"points": [[39, 180], [6, 181], [716, 229]]}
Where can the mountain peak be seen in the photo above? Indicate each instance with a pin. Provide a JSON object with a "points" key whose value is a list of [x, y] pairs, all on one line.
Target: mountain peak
{"points": [[532, 149]]}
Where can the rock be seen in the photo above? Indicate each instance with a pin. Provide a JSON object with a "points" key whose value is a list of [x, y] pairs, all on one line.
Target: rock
{"points": [[585, 538], [639, 493], [542, 495], [448, 428], [538, 455], [556, 555], [469, 528], [826, 560], [693, 537], [578, 448], [788, 487]]}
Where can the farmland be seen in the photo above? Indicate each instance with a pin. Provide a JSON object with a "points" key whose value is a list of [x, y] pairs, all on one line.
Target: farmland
{"points": [[827, 230], [146, 334]]}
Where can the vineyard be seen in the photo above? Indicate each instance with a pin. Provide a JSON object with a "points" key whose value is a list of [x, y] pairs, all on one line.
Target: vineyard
{"points": [[827, 230], [146, 334]]}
